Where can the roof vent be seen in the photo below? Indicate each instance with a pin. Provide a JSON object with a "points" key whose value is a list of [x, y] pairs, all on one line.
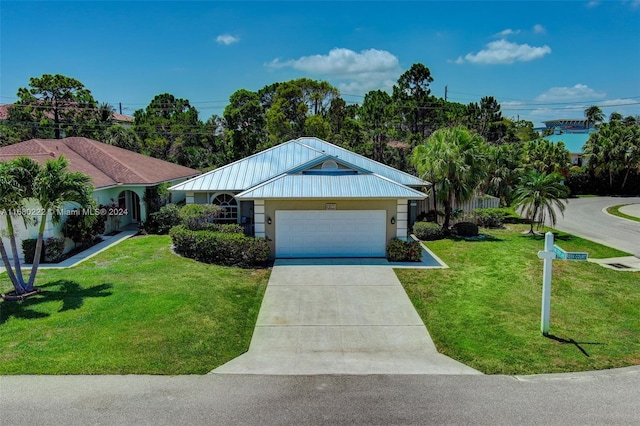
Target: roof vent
{"points": [[329, 164]]}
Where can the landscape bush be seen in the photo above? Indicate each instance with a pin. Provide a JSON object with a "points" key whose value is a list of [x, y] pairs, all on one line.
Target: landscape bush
{"points": [[428, 231], [83, 229], [430, 216], [490, 218], [229, 249], [52, 250], [198, 217], [465, 229], [29, 250], [404, 251], [163, 220]]}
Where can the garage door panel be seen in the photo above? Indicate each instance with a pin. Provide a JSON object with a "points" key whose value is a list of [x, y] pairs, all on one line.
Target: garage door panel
{"points": [[322, 233]]}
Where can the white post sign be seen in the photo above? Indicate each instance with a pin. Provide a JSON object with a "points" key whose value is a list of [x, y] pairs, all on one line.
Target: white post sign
{"points": [[548, 254]]}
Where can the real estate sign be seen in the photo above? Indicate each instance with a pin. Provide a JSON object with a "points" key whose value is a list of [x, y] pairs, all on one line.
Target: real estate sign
{"points": [[569, 255]]}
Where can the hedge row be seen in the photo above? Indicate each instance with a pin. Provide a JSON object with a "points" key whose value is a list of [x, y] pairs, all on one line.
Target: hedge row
{"points": [[229, 249]]}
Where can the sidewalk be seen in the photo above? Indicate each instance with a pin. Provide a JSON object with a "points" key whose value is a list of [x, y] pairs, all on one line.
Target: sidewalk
{"points": [[78, 258]]}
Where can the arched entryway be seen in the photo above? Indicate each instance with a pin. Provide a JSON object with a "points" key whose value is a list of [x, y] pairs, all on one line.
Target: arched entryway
{"points": [[129, 202]]}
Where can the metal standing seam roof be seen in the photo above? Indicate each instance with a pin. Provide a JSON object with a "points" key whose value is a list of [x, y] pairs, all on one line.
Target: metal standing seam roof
{"points": [[252, 170], [574, 142], [363, 162], [263, 166], [301, 186]]}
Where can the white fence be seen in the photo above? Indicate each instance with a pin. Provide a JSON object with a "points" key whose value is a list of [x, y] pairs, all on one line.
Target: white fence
{"points": [[479, 201]]}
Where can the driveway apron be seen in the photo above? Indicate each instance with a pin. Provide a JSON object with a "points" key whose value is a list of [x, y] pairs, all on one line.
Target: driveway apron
{"points": [[339, 320]]}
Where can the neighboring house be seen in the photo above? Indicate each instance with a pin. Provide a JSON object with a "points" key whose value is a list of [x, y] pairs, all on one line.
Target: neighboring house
{"points": [[121, 119], [570, 125], [574, 142], [120, 177], [312, 199]]}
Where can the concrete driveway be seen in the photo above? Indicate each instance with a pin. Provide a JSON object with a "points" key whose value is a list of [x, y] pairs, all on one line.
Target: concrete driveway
{"points": [[339, 320]]}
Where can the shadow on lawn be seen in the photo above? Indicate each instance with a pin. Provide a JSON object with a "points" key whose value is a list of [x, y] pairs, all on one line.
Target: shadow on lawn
{"points": [[477, 239], [68, 292], [573, 342], [556, 236]]}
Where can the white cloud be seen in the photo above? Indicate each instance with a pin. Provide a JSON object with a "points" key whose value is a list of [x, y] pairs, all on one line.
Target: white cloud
{"points": [[575, 93], [354, 72], [507, 32], [227, 39], [343, 62], [506, 52], [539, 29], [593, 4]]}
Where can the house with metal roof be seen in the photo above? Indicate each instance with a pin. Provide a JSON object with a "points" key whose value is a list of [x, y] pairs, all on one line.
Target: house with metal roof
{"points": [[574, 142], [311, 198]]}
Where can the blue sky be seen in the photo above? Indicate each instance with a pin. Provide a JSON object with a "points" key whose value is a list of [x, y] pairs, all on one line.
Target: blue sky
{"points": [[541, 60]]}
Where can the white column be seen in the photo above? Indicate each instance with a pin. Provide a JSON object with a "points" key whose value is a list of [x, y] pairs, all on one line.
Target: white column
{"points": [[259, 218], [402, 219]]}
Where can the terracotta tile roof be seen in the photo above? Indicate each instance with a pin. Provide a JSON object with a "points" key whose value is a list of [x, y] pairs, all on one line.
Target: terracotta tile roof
{"points": [[120, 118], [398, 144], [107, 165], [4, 111]]}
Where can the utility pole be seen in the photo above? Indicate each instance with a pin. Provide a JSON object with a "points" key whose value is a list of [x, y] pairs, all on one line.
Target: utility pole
{"points": [[446, 90], [120, 105]]}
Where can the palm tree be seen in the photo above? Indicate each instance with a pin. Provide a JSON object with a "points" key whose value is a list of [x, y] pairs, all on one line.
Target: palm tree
{"points": [[537, 194], [505, 166], [615, 116], [547, 157], [454, 161], [16, 179], [594, 115], [53, 186]]}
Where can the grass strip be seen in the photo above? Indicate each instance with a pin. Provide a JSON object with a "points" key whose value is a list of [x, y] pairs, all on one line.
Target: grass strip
{"points": [[615, 210]]}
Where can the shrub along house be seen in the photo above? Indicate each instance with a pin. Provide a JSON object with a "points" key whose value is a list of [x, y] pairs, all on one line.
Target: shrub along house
{"points": [[121, 178], [311, 198]]}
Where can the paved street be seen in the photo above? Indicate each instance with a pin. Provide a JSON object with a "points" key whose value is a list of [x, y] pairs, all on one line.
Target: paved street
{"points": [[609, 398], [587, 218]]}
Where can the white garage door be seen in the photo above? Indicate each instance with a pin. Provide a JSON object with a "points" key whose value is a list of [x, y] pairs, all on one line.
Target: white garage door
{"points": [[331, 233]]}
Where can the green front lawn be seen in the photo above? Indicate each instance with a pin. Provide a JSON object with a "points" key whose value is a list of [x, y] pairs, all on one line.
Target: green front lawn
{"points": [[134, 309], [485, 310]]}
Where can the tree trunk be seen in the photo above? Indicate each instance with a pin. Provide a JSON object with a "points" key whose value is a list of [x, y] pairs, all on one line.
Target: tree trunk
{"points": [[624, 181], [14, 251], [36, 256], [16, 284], [447, 213], [533, 218]]}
